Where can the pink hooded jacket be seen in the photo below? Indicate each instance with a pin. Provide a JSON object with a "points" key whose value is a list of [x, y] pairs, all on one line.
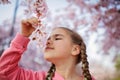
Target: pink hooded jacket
{"points": [[9, 68]]}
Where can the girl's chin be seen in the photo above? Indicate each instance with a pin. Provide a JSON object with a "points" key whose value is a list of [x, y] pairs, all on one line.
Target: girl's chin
{"points": [[49, 58]]}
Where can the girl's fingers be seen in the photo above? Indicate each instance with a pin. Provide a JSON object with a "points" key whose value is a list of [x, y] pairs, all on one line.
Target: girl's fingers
{"points": [[33, 21]]}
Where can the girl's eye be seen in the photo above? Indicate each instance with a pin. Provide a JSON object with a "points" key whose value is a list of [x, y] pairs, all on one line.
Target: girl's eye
{"points": [[58, 38]]}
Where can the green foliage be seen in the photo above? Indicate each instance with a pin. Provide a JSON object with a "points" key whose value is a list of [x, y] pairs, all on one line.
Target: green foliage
{"points": [[117, 78], [117, 65]]}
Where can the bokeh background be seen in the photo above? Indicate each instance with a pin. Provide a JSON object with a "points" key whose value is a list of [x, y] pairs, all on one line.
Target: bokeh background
{"points": [[97, 21]]}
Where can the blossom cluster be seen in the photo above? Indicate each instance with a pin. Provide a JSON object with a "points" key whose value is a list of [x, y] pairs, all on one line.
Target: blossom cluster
{"points": [[40, 10]]}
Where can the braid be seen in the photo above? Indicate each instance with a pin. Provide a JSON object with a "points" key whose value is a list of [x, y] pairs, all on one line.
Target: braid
{"points": [[51, 72], [85, 64]]}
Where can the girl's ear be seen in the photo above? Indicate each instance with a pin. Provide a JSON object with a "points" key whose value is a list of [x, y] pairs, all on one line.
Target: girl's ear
{"points": [[75, 50]]}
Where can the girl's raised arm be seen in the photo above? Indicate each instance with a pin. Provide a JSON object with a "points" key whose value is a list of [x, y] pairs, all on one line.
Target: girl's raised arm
{"points": [[9, 68]]}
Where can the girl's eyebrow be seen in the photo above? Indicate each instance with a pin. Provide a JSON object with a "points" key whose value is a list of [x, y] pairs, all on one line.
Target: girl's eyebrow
{"points": [[55, 35]]}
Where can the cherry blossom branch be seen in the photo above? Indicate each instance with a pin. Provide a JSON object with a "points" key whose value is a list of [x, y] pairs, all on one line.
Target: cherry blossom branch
{"points": [[38, 8]]}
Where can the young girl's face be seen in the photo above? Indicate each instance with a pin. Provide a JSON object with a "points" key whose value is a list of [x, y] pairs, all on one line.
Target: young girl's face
{"points": [[58, 46]]}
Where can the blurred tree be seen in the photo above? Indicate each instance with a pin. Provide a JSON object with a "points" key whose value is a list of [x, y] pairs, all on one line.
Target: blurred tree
{"points": [[4, 1], [104, 14]]}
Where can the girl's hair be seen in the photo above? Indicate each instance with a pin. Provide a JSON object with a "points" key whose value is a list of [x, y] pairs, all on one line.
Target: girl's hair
{"points": [[51, 72], [82, 57]]}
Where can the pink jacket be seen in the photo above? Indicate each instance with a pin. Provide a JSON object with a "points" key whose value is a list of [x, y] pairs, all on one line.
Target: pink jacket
{"points": [[9, 68]]}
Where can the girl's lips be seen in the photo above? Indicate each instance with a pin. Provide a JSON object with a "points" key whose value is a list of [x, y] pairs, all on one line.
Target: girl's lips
{"points": [[48, 48]]}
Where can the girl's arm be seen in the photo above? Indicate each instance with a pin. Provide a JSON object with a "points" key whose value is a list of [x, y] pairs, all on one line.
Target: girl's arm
{"points": [[9, 69]]}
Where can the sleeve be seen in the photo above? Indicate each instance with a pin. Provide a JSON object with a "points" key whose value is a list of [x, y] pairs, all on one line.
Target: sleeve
{"points": [[93, 78], [9, 69]]}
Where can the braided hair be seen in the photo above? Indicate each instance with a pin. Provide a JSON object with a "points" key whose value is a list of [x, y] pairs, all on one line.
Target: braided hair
{"points": [[85, 64], [51, 72], [82, 56]]}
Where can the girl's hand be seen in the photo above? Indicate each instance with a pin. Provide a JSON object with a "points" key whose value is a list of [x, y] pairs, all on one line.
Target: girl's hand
{"points": [[28, 26]]}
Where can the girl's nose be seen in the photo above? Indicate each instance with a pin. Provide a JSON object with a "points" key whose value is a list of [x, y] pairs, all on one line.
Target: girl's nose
{"points": [[49, 41]]}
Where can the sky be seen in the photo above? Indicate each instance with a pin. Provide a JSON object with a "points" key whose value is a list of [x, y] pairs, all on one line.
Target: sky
{"points": [[6, 11]]}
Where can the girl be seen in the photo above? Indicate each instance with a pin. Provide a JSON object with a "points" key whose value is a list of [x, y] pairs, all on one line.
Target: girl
{"points": [[64, 49]]}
